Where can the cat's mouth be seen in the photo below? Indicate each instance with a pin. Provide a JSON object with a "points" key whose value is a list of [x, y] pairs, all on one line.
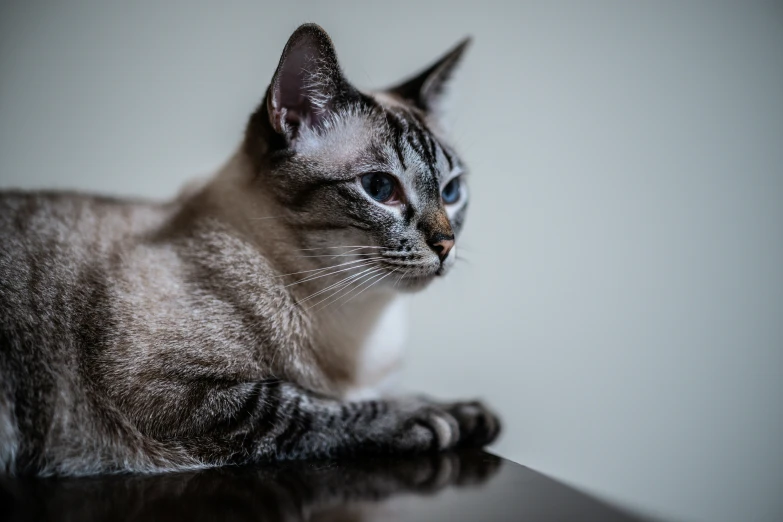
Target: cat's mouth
{"points": [[359, 270], [412, 279], [415, 269]]}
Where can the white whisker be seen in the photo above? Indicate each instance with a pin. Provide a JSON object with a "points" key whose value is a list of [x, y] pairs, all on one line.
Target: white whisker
{"points": [[405, 254], [325, 268], [340, 283], [399, 278], [405, 265], [338, 255], [345, 246], [371, 285], [318, 276], [340, 291], [349, 251]]}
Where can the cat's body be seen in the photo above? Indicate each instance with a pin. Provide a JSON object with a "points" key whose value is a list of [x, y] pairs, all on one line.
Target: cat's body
{"points": [[256, 317]]}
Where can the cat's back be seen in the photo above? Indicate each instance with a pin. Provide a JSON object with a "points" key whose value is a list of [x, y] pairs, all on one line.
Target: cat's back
{"points": [[51, 238], [54, 243], [57, 245], [80, 220]]}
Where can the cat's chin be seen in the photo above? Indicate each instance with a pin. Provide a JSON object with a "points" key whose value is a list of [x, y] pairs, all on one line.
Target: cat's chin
{"points": [[411, 284]]}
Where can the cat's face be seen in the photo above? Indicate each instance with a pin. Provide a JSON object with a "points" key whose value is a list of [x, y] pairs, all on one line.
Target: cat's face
{"points": [[371, 185]]}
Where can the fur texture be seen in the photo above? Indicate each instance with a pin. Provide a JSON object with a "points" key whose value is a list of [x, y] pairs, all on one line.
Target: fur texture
{"points": [[235, 324]]}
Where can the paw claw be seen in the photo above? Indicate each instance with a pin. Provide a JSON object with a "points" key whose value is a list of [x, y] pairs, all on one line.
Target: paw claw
{"points": [[479, 426], [428, 428]]}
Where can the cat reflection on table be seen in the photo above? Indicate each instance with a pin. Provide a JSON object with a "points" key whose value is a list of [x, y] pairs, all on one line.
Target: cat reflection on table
{"points": [[354, 490]]}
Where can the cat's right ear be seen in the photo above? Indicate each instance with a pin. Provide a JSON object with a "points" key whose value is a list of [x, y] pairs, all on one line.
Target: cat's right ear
{"points": [[426, 89], [307, 84]]}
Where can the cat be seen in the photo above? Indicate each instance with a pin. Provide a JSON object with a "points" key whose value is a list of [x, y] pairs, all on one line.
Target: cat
{"points": [[254, 318]]}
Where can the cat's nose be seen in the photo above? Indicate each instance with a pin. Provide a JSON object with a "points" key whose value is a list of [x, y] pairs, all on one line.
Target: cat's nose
{"points": [[441, 244]]}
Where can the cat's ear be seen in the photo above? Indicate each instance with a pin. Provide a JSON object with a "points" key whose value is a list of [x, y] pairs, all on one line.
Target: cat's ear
{"points": [[426, 89], [307, 84]]}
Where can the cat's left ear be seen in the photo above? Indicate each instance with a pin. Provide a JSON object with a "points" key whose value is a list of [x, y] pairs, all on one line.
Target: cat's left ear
{"points": [[307, 84], [426, 89]]}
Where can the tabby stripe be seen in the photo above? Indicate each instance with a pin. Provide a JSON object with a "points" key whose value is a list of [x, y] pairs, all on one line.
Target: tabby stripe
{"points": [[291, 425], [449, 158], [408, 213], [269, 412], [435, 146], [397, 129], [330, 421], [373, 407], [266, 419], [425, 138], [345, 411], [433, 152], [415, 144], [356, 415], [248, 408], [304, 425], [409, 132]]}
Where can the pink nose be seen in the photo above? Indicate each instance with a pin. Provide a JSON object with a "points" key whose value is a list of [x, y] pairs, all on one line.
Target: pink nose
{"points": [[442, 247]]}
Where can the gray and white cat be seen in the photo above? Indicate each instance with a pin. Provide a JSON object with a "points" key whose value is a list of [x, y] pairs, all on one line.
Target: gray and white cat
{"points": [[256, 317]]}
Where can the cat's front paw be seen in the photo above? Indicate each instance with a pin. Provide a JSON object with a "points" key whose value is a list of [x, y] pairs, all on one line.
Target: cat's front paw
{"points": [[426, 428], [430, 426], [478, 425]]}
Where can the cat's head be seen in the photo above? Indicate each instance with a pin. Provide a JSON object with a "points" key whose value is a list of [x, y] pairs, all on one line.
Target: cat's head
{"points": [[367, 180]]}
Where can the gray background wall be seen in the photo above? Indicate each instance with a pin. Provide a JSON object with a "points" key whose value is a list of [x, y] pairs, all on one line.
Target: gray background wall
{"points": [[623, 305]]}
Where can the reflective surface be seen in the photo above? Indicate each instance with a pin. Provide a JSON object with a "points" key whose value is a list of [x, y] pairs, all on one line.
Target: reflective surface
{"points": [[447, 487]]}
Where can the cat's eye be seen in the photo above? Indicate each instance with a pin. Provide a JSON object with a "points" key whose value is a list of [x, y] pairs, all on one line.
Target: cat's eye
{"points": [[381, 187], [451, 192]]}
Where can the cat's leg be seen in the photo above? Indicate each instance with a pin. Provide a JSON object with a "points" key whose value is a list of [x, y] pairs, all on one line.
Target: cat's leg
{"points": [[279, 420]]}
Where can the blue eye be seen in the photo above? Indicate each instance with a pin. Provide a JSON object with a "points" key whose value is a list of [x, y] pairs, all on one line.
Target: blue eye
{"points": [[381, 187], [451, 192]]}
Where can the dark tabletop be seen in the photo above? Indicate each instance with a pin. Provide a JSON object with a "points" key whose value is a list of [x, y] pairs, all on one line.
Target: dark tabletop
{"points": [[471, 485]]}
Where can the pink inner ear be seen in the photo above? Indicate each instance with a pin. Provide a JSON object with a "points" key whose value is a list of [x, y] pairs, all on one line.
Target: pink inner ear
{"points": [[307, 84], [293, 89], [291, 79]]}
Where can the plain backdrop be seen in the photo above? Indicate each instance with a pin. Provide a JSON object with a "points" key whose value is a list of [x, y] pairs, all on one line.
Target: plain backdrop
{"points": [[622, 303]]}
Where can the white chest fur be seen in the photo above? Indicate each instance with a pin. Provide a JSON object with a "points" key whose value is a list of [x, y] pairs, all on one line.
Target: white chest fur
{"points": [[376, 332], [380, 361]]}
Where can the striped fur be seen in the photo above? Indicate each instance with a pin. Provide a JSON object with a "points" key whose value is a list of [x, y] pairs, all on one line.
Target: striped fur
{"points": [[233, 324]]}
